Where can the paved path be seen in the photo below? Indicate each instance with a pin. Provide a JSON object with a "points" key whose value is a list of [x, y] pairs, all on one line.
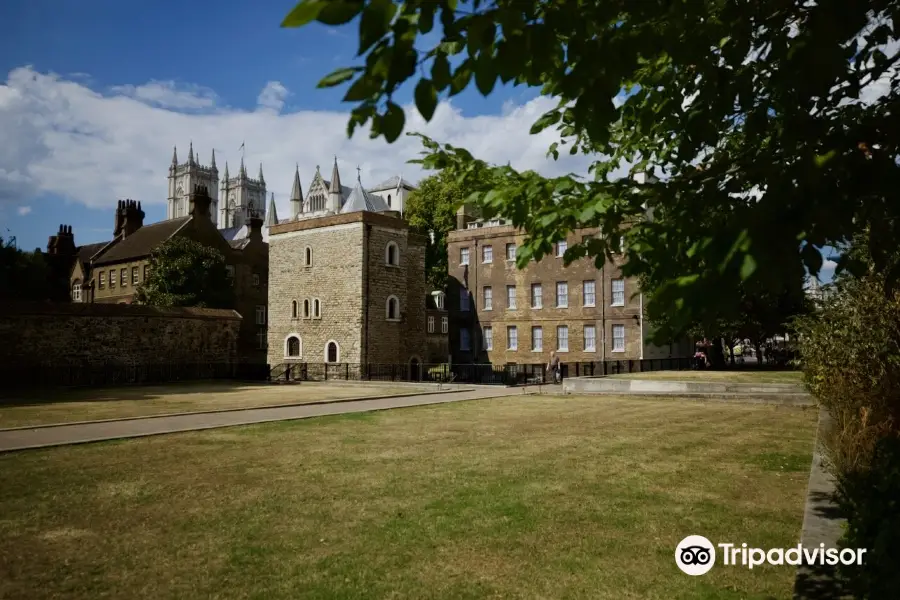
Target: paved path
{"points": [[94, 432]]}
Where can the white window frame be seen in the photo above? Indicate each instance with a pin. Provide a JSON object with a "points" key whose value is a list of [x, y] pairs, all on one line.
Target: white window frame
{"points": [[464, 256], [512, 338], [431, 324], [561, 248], [511, 300], [592, 293], [511, 257], [123, 277], [487, 254], [487, 298], [299, 345], [445, 324], [537, 338], [593, 330], [262, 339], [135, 275], [562, 300], [261, 314], [112, 278], [465, 341], [539, 297], [101, 280], [614, 300], [76, 291], [617, 329], [562, 341], [487, 336], [387, 309]]}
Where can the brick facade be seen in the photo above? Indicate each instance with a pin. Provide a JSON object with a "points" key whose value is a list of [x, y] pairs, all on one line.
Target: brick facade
{"points": [[352, 281], [614, 314]]}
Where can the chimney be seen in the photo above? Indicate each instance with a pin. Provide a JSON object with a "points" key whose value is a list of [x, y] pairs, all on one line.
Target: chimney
{"points": [[132, 217], [465, 215], [256, 225], [200, 202], [120, 218]]}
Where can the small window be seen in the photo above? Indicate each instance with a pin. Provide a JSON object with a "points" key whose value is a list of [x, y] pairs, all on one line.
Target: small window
{"points": [[389, 200], [445, 325], [317, 308], [463, 256], [488, 338], [464, 300], [511, 297], [562, 295], [392, 254], [256, 280], [512, 338], [590, 293], [537, 339], [487, 254], [292, 347], [262, 340], [561, 248], [308, 254], [464, 343], [112, 278], [618, 292], [393, 308], [510, 252], [295, 310], [260, 315], [134, 276], [306, 308], [332, 352], [618, 332], [536, 295], [430, 324], [123, 277], [146, 271], [487, 298], [562, 338], [439, 300], [590, 338], [76, 291]]}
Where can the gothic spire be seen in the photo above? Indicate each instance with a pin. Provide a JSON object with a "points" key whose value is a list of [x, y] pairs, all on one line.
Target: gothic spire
{"points": [[243, 171], [213, 164], [226, 172], [271, 214], [296, 190], [261, 178], [174, 155], [335, 178], [191, 153]]}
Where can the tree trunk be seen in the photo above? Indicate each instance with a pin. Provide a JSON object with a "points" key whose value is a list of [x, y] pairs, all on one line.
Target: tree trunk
{"points": [[731, 353], [716, 353]]}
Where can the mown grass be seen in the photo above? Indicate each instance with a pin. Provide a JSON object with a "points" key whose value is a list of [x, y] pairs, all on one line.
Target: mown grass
{"points": [[524, 497], [736, 376], [66, 406]]}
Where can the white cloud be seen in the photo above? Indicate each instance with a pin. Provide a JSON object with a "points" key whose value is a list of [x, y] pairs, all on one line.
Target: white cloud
{"points": [[272, 96], [23, 210], [167, 95], [63, 138]]}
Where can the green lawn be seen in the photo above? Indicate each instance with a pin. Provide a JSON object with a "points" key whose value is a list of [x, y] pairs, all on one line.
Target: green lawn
{"points": [[523, 497], [737, 376]]}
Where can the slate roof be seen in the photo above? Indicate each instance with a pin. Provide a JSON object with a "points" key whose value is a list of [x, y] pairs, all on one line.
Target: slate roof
{"points": [[392, 184], [142, 242], [88, 250], [360, 200]]}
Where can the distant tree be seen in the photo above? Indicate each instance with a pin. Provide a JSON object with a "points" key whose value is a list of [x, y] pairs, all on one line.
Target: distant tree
{"points": [[432, 208], [184, 272], [23, 275]]}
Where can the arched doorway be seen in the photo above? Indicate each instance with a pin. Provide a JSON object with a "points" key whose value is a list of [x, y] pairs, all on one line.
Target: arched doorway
{"points": [[415, 369]]}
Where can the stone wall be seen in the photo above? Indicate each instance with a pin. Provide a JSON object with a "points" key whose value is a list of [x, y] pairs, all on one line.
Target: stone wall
{"points": [[115, 333]]}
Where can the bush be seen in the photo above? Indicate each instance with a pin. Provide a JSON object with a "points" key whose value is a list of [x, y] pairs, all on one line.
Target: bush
{"points": [[851, 362]]}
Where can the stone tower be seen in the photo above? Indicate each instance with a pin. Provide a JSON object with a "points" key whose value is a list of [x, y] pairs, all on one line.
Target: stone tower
{"points": [[242, 198], [183, 178]]}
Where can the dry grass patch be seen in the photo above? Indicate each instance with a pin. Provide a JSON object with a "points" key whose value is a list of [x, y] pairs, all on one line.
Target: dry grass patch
{"points": [[524, 497], [67, 406], [738, 376]]}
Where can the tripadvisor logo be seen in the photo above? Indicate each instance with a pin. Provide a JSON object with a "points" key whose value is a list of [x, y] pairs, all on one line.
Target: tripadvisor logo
{"points": [[696, 555]]}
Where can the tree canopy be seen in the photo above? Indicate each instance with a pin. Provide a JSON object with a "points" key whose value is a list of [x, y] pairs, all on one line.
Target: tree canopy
{"points": [[184, 272], [24, 275], [767, 124]]}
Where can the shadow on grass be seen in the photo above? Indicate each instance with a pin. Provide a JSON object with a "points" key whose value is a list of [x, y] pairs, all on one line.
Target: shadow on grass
{"points": [[42, 396]]}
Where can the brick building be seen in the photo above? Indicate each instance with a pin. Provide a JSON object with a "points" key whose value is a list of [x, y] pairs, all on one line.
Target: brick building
{"points": [[347, 285], [500, 314], [111, 272]]}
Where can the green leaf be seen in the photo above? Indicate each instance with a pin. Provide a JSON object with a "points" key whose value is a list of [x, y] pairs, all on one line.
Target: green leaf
{"points": [[338, 77], [392, 122], [748, 267], [485, 77], [823, 159], [375, 23], [338, 12], [366, 87], [440, 71], [305, 12], [547, 119], [426, 98], [461, 77]]}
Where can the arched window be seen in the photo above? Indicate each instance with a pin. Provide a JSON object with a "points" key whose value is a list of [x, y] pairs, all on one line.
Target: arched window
{"points": [[76, 291], [392, 254], [317, 308], [295, 310], [308, 256], [393, 309], [389, 200], [332, 352], [306, 308], [292, 346]]}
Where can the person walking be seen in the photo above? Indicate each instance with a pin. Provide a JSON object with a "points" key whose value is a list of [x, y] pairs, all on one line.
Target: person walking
{"points": [[553, 367]]}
